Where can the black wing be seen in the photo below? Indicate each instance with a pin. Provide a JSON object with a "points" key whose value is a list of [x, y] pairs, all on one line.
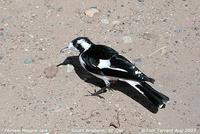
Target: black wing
{"points": [[119, 67], [123, 68], [100, 52]]}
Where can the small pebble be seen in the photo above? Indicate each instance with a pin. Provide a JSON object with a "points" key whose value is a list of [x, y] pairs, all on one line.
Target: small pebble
{"points": [[115, 22], [91, 12], [31, 36], [1, 34], [137, 60], [113, 125], [140, 0], [127, 39], [88, 122], [148, 36], [28, 61], [50, 71], [117, 105], [42, 49], [105, 21], [70, 68], [178, 30], [163, 52]]}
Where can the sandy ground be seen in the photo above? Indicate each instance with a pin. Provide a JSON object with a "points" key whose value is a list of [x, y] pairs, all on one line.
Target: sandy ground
{"points": [[162, 37]]}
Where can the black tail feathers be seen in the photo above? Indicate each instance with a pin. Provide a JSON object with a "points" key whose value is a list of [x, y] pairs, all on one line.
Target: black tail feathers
{"points": [[154, 96], [151, 80]]}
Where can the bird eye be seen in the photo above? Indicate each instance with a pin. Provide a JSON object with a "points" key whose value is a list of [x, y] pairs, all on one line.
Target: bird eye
{"points": [[76, 45]]}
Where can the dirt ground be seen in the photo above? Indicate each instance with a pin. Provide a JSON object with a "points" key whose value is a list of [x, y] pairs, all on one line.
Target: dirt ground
{"points": [[162, 37]]}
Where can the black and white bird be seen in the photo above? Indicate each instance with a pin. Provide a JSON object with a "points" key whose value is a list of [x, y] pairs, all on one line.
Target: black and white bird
{"points": [[107, 64]]}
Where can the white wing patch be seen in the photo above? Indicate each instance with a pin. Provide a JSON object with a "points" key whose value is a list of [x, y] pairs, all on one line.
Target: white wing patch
{"points": [[107, 64], [104, 64]]}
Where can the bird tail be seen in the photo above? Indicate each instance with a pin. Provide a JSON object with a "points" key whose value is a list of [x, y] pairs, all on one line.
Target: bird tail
{"points": [[154, 96], [151, 80]]}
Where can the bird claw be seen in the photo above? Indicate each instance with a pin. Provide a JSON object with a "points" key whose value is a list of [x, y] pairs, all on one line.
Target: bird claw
{"points": [[97, 93], [93, 94]]}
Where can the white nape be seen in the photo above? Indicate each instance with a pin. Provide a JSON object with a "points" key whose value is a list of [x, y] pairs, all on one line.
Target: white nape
{"points": [[84, 44]]}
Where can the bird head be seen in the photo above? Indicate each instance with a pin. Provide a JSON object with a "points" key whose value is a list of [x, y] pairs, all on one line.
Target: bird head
{"points": [[79, 44]]}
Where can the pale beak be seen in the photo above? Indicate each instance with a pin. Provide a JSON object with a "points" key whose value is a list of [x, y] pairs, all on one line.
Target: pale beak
{"points": [[69, 47], [62, 50]]}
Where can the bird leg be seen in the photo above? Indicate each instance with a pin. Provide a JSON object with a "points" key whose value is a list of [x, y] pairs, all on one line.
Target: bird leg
{"points": [[112, 83], [102, 90]]}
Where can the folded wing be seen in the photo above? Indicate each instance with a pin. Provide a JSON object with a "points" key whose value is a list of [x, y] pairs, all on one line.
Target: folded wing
{"points": [[123, 68], [115, 66]]}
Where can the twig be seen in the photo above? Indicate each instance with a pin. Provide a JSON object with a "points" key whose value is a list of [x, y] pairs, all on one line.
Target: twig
{"points": [[118, 122], [157, 51], [91, 115], [116, 125], [113, 125]]}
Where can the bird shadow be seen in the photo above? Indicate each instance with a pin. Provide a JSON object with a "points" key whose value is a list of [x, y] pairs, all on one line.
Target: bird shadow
{"points": [[119, 85]]}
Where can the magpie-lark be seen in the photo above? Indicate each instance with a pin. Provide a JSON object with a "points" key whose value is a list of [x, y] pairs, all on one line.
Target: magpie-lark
{"points": [[107, 64]]}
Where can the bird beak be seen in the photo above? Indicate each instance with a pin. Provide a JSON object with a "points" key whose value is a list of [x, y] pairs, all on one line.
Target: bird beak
{"points": [[69, 47], [62, 50]]}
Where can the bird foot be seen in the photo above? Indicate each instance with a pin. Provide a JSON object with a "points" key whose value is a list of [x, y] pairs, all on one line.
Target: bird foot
{"points": [[97, 93]]}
